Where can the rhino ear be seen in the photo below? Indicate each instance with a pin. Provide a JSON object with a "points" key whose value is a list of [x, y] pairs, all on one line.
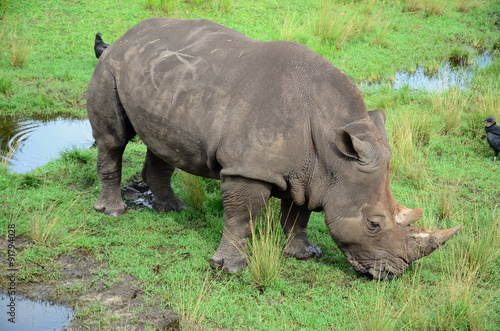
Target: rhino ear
{"points": [[378, 118], [355, 148]]}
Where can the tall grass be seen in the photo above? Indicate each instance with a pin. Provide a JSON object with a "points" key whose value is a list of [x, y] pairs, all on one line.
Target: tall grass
{"points": [[336, 25], [19, 51], [45, 224], [6, 86], [292, 30], [451, 106], [194, 301], [431, 7], [446, 199], [195, 190], [465, 6], [409, 132], [265, 259], [435, 7], [223, 5], [169, 7]]}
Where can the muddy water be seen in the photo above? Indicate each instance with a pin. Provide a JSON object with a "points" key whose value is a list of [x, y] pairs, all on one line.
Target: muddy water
{"points": [[447, 75], [35, 142], [31, 315]]}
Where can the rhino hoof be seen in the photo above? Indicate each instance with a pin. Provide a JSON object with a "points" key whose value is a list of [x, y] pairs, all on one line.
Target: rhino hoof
{"points": [[232, 267], [174, 205], [115, 212], [304, 253]]}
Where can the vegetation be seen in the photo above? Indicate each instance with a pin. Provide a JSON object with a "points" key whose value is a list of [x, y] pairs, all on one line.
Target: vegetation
{"points": [[441, 162]]}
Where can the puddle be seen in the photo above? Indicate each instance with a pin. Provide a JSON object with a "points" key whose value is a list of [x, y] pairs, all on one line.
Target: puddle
{"points": [[446, 76], [35, 142], [32, 315]]}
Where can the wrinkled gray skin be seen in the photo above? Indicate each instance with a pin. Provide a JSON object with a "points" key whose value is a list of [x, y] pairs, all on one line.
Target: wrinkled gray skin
{"points": [[267, 119]]}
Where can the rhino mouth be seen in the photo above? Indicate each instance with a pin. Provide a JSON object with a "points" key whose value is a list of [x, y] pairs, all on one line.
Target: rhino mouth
{"points": [[376, 268]]}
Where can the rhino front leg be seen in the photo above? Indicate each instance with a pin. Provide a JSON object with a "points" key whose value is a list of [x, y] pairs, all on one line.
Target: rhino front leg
{"points": [[157, 174], [243, 199], [294, 221]]}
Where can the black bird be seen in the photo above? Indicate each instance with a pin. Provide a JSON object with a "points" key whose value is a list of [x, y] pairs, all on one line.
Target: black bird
{"points": [[99, 45], [493, 134]]}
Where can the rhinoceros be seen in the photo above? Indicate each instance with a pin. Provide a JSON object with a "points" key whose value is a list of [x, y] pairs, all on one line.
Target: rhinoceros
{"points": [[267, 118]]}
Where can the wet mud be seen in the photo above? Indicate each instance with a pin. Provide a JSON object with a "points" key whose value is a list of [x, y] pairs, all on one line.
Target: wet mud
{"points": [[77, 285], [137, 195]]}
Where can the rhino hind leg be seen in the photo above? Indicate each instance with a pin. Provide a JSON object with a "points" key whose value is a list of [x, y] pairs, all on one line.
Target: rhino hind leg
{"points": [[112, 130], [243, 199], [294, 221], [157, 173]]}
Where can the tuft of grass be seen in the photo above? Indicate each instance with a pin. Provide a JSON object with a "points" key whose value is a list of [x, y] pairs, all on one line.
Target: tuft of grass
{"points": [[446, 198], [434, 7], [451, 106], [45, 225], [380, 310], [336, 25], [413, 6], [223, 5], [292, 30], [465, 6], [169, 7], [6, 86], [265, 259], [19, 51], [475, 252], [407, 135], [379, 35], [195, 190], [194, 301], [459, 56]]}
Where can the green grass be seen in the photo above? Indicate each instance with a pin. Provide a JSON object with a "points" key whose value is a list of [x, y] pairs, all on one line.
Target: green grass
{"points": [[441, 162]]}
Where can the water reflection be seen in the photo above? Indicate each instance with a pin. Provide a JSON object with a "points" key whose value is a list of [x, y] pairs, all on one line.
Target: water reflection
{"points": [[29, 143], [446, 76], [31, 315]]}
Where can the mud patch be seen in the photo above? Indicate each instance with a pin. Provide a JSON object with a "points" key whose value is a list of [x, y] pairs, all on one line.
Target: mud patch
{"points": [[137, 195], [99, 303]]}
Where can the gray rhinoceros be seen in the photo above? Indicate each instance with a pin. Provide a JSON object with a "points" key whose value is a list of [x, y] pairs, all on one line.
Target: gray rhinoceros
{"points": [[266, 118]]}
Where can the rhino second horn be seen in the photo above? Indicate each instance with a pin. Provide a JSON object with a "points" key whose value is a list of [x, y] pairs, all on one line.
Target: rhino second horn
{"points": [[423, 242], [406, 216]]}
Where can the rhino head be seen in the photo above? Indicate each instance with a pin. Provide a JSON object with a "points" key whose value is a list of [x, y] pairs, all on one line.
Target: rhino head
{"points": [[372, 230]]}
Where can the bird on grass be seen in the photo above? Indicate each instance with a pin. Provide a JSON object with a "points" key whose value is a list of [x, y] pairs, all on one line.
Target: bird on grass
{"points": [[493, 134], [99, 45]]}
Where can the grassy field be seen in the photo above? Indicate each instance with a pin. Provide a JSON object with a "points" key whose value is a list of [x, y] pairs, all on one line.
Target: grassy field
{"points": [[441, 163]]}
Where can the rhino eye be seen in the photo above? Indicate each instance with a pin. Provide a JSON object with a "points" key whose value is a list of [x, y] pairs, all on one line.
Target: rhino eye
{"points": [[373, 226]]}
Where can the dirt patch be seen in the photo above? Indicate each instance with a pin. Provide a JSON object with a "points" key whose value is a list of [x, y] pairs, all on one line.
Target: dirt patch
{"points": [[81, 283]]}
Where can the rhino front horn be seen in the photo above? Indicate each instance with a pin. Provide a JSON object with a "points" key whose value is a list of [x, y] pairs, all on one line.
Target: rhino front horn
{"points": [[423, 242]]}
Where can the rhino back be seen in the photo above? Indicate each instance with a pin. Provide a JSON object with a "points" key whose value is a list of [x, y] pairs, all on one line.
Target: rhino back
{"points": [[207, 98]]}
